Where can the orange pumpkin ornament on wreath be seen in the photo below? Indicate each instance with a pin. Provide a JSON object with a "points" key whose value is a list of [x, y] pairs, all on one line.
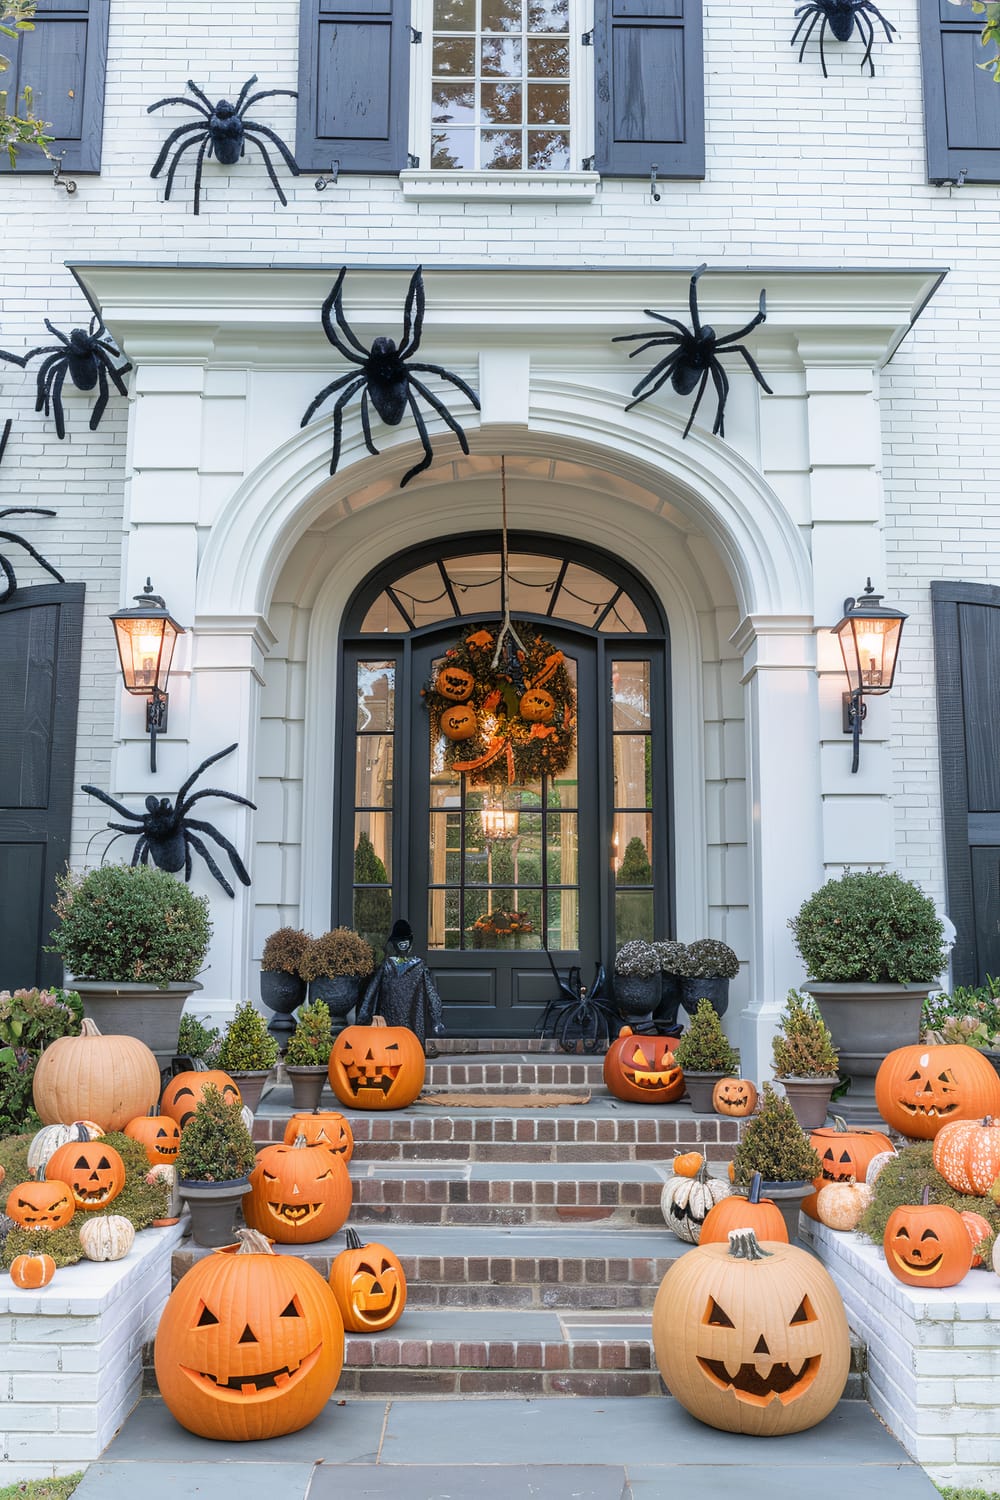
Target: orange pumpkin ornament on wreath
{"points": [[159, 1135], [734, 1096], [967, 1154], [642, 1069], [920, 1088], [94, 1170], [377, 1066], [298, 1193], [32, 1271], [454, 683], [183, 1093], [459, 723], [322, 1127], [43, 1204], [537, 706], [369, 1285], [927, 1244]]}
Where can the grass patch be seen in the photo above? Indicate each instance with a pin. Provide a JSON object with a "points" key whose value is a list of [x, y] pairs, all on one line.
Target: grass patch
{"points": [[48, 1489], [946, 1490]]}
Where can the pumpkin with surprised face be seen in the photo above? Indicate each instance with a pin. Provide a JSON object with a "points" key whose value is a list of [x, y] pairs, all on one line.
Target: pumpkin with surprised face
{"points": [[183, 1093], [250, 1345], [377, 1066], [920, 1088], [927, 1244], [94, 1170], [735, 1097], [763, 1347], [298, 1193], [369, 1285], [642, 1069]]}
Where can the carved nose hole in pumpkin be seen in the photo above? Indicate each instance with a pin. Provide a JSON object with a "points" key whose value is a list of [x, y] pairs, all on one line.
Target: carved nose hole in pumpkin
{"points": [[761, 1346], [717, 1316], [206, 1318], [804, 1313], [246, 1337]]}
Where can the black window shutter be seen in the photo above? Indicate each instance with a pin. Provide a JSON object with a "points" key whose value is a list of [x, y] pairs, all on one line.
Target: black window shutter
{"points": [[961, 101], [650, 96], [63, 61], [354, 83]]}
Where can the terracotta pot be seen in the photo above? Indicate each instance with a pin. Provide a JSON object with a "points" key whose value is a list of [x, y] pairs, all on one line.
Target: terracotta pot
{"points": [[250, 1084]]}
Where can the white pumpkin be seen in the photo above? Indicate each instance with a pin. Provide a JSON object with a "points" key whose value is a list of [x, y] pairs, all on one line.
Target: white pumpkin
{"points": [[685, 1202], [165, 1173], [51, 1137], [876, 1164], [840, 1205], [106, 1237]]}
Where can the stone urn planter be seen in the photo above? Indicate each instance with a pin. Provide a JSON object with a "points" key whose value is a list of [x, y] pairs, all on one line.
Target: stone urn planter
{"points": [[146, 1011], [307, 1087], [637, 995], [213, 1207], [788, 1197], [251, 1084], [809, 1098], [715, 989], [340, 995], [868, 1021], [700, 1087]]}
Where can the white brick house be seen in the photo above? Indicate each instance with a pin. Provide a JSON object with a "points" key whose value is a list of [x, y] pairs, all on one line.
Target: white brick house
{"points": [[876, 455]]}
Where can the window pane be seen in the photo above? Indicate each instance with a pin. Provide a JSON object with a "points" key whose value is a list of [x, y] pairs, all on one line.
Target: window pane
{"points": [[443, 929], [455, 15], [548, 15], [372, 916], [451, 102], [630, 694], [547, 58], [502, 103], [505, 926], [444, 853], [373, 778], [501, 57], [633, 916], [564, 919], [376, 695], [562, 849], [501, 15], [454, 56], [373, 859], [502, 150], [548, 104], [633, 848], [548, 151], [633, 770], [453, 150]]}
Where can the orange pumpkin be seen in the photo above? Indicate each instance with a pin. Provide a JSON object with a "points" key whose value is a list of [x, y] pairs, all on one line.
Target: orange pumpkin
{"points": [[183, 1093], [744, 1211], [642, 1070], [377, 1066], [322, 1127], [298, 1193], [459, 723], [537, 706], [454, 683], [250, 1345], [107, 1079], [843, 1154], [45, 1204], [927, 1244], [94, 1170], [920, 1088], [369, 1285], [158, 1134], [979, 1229], [689, 1164], [734, 1096], [967, 1154], [31, 1271]]}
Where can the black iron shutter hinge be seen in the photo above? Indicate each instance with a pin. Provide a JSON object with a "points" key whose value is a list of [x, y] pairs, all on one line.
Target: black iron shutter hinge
{"points": [[587, 164], [415, 36], [587, 39], [412, 161]]}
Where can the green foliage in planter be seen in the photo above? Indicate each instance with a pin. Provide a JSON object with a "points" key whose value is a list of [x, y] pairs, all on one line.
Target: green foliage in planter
{"points": [[130, 924], [903, 1179], [969, 1015], [803, 1048], [283, 951], [340, 954], [247, 1045], [195, 1039], [707, 958], [29, 1020], [704, 1047], [870, 926], [215, 1143], [312, 1040], [637, 960], [671, 955], [775, 1145]]}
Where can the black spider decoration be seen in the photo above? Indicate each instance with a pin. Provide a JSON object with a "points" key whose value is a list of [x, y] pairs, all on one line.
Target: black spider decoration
{"points": [[386, 377], [842, 17], [87, 356], [6, 567], [222, 131], [694, 356], [574, 1015], [166, 834]]}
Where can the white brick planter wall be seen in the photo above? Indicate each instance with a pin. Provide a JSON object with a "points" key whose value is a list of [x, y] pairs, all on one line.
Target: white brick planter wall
{"points": [[71, 1356], [933, 1357]]}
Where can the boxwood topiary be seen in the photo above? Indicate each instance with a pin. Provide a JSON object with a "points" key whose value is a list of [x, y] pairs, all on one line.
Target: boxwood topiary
{"points": [[870, 926], [125, 924]]}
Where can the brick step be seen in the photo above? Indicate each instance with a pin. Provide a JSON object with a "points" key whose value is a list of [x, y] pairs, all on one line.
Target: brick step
{"points": [[515, 1070], [527, 1267]]}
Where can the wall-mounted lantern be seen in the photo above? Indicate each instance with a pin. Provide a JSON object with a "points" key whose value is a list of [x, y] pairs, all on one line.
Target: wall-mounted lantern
{"points": [[145, 637], [869, 642]]}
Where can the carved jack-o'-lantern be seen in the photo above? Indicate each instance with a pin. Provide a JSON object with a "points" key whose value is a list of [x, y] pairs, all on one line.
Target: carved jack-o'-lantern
{"points": [[298, 1193], [537, 706], [734, 1096], [763, 1347], [94, 1170], [369, 1285], [46, 1204], [927, 1244], [377, 1066], [250, 1344], [322, 1127], [454, 683], [843, 1154], [642, 1069], [459, 723], [183, 1093], [920, 1088], [159, 1134]]}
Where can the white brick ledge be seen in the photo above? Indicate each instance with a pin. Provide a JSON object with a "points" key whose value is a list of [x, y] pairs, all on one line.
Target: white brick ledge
{"points": [[502, 187]]}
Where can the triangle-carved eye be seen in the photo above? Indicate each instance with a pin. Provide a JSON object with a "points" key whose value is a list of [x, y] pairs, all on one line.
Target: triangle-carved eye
{"points": [[803, 1313], [206, 1319], [716, 1316], [292, 1310]]}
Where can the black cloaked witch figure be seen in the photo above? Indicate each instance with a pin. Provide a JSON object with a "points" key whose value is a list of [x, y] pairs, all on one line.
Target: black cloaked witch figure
{"points": [[87, 356], [402, 989]]}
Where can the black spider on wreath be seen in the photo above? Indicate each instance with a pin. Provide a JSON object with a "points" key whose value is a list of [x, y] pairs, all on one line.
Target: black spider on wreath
{"points": [[87, 357], [693, 358], [386, 377], [166, 835], [222, 131], [6, 566], [842, 17]]}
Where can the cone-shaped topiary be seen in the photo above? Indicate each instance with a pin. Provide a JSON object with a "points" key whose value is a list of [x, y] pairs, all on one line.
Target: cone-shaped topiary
{"points": [[215, 1143], [704, 1047], [312, 1040], [803, 1047], [775, 1145], [247, 1045]]}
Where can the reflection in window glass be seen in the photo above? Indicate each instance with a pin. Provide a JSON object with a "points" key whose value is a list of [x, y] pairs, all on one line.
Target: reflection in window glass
{"points": [[373, 771], [633, 916], [630, 695], [376, 695]]}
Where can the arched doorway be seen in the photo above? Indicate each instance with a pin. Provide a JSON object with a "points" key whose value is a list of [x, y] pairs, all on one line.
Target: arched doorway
{"points": [[583, 856]]}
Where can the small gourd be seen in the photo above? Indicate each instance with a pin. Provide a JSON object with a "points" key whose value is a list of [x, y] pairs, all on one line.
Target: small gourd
{"points": [[840, 1205], [32, 1271], [107, 1237]]}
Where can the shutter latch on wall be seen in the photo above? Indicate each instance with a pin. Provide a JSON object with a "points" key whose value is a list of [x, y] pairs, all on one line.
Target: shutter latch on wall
{"points": [[413, 162], [416, 37], [322, 183], [652, 182], [587, 39], [587, 165]]}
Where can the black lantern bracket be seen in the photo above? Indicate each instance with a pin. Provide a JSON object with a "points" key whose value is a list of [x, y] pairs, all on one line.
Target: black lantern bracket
{"points": [[869, 635], [145, 637]]}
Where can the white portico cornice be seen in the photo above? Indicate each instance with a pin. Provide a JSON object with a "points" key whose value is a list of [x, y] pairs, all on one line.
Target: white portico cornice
{"points": [[267, 315]]}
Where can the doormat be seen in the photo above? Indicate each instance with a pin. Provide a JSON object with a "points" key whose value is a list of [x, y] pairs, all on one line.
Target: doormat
{"points": [[502, 1101]]}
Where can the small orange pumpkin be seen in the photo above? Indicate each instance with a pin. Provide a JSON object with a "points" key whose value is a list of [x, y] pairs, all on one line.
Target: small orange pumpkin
{"points": [[298, 1193], [459, 723], [689, 1164], [94, 1170], [369, 1285], [920, 1088], [160, 1135], [537, 706], [322, 1127], [183, 1093], [377, 1066], [454, 683], [843, 1154], [927, 1244], [642, 1069], [967, 1154], [44, 1204], [979, 1229], [740, 1211], [734, 1096], [31, 1271]]}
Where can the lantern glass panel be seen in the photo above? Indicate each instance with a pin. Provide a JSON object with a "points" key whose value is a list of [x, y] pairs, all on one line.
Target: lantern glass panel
{"points": [[146, 649]]}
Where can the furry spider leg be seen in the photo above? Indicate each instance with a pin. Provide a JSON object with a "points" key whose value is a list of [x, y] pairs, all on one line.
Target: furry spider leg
{"points": [[140, 854], [366, 424], [242, 99], [181, 99], [264, 94], [196, 843], [103, 394], [200, 94], [219, 755], [234, 858], [249, 136], [754, 367], [335, 301], [440, 408], [8, 573], [664, 368], [206, 143], [656, 341], [272, 136], [94, 791], [56, 398], [861, 21], [195, 129], [760, 317], [415, 293], [721, 382], [697, 403], [804, 12], [352, 377], [693, 298], [43, 377], [447, 375], [212, 791], [428, 457], [177, 159]]}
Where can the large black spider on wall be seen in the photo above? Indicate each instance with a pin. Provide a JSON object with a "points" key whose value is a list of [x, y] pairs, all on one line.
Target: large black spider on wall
{"points": [[87, 356], [222, 131], [842, 17], [6, 566]]}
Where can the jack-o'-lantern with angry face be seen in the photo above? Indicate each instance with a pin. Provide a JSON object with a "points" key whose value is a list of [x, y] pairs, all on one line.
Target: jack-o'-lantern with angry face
{"points": [[250, 1345], [762, 1346], [734, 1096], [94, 1170], [537, 706], [46, 1204], [182, 1094], [298, 1193], [642, 1069], [377, 1066], [454, 683], [369, 1285], [921, 1087]]}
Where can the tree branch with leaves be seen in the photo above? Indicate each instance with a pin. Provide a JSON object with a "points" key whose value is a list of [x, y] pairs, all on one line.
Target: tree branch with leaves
{"points": [[990, 34], [24, 129]]}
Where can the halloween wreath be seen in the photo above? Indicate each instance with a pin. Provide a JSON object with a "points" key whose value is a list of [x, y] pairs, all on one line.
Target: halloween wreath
{"points": [[504, 719]]}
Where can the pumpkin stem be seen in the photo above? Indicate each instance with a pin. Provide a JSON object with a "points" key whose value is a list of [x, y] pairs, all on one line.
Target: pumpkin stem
{"points": [[839, 1123], [379, 1021], [754, 1194], [743, 1245], [925, 1197], [299, 1142], [252, 1242], [88, 1027], [702, 1173], [353, 1239]]}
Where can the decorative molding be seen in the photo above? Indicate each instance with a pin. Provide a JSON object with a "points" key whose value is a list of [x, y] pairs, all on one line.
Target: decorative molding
{"points": [[501, 187]]}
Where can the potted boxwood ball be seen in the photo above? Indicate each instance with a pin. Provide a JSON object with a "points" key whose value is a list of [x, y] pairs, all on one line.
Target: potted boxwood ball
{"points": [[308, 1055], [282, 988], [134, 938], [248, 1053], [705, 1055], [775, 1145], [214, 1165], [706, 967], [805, 1060], [335, 965]]}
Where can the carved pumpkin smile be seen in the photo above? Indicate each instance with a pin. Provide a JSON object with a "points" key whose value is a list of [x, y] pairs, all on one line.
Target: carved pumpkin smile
{"points": [[642, 1069], [262, 1387], [931, 1103], [366, 1073], [781, 1383], [917, 1257], [295, 1213]]}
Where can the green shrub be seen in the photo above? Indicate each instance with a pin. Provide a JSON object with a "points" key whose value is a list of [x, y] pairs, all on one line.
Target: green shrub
{"points": [[125, 924], [29, 1021], [195, 1039], [870, 926], [312, 1040], [803, 1048], [247, 1046], [704, 1047], [903, 1179], [707, 958], [340, 954], [215, 1143], [775, 1145]]}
